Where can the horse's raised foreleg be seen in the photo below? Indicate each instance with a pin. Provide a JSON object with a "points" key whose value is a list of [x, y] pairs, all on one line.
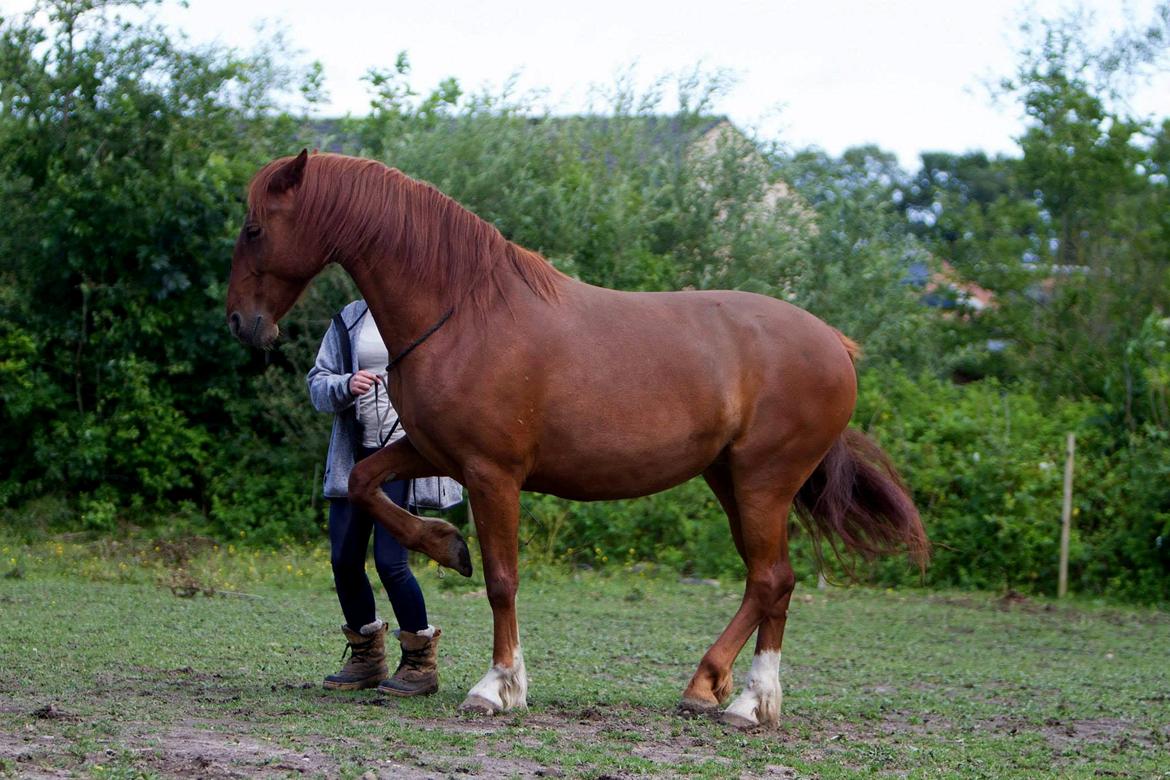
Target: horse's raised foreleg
{"points": [[435, 538], [495, 503]]}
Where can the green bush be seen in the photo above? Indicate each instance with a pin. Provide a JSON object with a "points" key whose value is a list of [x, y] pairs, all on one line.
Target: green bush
{"points": [[985, 463]]}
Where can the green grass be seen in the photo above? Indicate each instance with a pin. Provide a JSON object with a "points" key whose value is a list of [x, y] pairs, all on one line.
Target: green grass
{"points": [[104, 672]]}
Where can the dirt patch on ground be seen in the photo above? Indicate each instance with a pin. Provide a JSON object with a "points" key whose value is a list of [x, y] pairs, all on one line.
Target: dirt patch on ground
{"points": [[233, 748], [32, 755], [1066, 732], [190, 751], [1059, 734]]}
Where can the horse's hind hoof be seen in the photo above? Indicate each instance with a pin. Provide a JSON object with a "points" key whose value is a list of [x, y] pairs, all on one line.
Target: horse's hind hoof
{"points": [[461, 556], [477, 705], [695, 708]]}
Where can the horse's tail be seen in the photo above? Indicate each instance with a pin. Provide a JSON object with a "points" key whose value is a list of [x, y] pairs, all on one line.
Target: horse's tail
{"points": [[851, 346], [856, 495]]}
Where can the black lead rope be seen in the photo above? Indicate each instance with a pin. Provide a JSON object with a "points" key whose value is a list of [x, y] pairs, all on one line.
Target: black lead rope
{"points": [[426, 335], [402, 355]]}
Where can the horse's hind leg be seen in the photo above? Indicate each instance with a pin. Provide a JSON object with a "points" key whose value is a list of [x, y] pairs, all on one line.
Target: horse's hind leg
{"points": [[435, 538], [712, 683], [758, 517], [759, 704]]}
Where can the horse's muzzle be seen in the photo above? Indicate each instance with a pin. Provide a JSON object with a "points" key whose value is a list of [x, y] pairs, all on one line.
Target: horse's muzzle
{"points": [[253, 331]]}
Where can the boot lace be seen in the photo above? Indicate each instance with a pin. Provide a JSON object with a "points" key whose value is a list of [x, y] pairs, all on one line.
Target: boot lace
{"points": [[357, 651], [412, 659]]}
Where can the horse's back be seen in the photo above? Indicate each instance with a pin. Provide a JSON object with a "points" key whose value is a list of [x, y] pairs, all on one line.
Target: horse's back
{"points": [[737, 341], [644, 390]]}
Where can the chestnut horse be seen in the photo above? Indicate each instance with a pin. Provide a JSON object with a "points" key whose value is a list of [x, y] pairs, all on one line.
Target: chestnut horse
{"points": [[510, 376]]}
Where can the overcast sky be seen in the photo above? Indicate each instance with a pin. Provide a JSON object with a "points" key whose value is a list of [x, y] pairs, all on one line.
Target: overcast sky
{"points": [[908, 75]]}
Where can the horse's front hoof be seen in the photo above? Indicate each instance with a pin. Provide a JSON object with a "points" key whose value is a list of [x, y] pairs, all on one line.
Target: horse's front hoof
{"points": [[461, 556], [446, 546], [693, 708], [477, 705]]}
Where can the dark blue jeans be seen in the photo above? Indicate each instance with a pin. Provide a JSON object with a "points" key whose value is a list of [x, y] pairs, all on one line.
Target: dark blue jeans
{"points": [[349, 538]]}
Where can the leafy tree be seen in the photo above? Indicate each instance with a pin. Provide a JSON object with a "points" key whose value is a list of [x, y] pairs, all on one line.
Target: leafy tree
{"points": [[863, 254], [1070, 235], [123, 158]]}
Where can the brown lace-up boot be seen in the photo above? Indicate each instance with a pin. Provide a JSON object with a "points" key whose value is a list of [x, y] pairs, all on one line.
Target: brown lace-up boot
{"points": [[366, 666], [418, 671]]}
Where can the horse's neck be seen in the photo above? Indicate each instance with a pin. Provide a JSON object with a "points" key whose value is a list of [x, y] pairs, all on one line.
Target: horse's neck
{"points": [[402, 310], [405, 307]]}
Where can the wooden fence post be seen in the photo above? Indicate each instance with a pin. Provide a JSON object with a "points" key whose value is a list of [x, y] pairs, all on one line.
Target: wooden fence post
{"points": [[1066, 517]]}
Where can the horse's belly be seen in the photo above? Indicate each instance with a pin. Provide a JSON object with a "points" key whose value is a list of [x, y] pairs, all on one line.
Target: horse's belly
{"points": [[601, 481], [639, 452]]}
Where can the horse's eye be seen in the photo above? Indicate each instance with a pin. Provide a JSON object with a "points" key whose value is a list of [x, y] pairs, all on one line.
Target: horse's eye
{"points": [[252, 231]]}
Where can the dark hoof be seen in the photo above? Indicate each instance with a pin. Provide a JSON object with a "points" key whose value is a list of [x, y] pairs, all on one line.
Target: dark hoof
{"points": [[477, 705], [694, 708], [461, 555]]}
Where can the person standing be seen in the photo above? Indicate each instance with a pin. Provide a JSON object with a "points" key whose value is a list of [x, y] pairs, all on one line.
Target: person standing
{"points": [[347, 380]]}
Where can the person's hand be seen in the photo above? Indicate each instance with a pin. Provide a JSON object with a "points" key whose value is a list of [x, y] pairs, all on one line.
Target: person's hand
{"points": [[361, 382]]}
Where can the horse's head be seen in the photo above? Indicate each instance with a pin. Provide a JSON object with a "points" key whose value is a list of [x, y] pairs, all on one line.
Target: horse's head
{"points": [[272, 263]]}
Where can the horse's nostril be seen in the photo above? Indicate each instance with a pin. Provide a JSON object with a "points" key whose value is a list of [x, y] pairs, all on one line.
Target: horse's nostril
{"points": [[235, 321]]}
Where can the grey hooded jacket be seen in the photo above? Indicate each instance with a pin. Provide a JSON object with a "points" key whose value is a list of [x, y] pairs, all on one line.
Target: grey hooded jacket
{"points": [[329, 391]]}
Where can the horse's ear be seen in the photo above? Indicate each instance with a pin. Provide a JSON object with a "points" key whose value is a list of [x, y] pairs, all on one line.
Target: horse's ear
{"points": [[290, 174]]}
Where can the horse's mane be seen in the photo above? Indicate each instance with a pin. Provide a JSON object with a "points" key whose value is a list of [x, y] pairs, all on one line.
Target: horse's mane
{"points": [[361, 209]]}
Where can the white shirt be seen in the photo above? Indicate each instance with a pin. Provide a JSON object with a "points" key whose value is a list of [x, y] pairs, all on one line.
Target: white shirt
{"points": [[375, 413]]}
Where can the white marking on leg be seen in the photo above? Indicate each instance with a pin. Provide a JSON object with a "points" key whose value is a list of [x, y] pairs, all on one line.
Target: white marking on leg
{"points": [[505, 687], [760, 701]]}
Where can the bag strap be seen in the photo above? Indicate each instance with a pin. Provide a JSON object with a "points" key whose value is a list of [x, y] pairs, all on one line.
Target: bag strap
{"points": [[343, 339], [345, 345]]}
